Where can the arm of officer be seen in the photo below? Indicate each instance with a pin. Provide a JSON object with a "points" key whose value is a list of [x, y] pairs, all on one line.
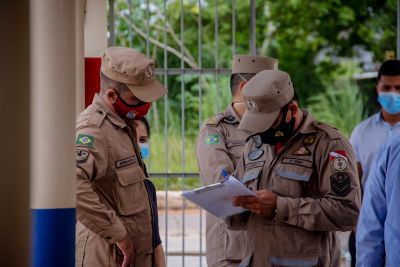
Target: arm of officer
{"points": [[337, 206], [212, 155], [92, 161], [370, 228]]}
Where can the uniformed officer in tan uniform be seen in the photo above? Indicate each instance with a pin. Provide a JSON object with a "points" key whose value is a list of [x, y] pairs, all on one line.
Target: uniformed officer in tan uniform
{"points": [[304, 175], [219, 146], [113, 210]]}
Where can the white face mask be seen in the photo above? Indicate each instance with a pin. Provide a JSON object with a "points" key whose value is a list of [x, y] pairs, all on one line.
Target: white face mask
{"points": [[144, 150]]}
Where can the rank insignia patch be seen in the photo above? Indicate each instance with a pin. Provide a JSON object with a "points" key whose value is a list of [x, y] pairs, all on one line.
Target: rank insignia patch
{"points": [[212, 139], [85, 139], [309, 140], [81, 156], [340, 183], [302, 151]]}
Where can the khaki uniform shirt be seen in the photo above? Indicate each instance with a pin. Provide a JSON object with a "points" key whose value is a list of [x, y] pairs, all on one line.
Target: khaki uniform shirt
{"points": [[219, 146], [112, 199], [315, 178]]}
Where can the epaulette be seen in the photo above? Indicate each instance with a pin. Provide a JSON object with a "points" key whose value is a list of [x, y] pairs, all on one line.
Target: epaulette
{"points": [[213, 121], [97, 118], [332, 132]]}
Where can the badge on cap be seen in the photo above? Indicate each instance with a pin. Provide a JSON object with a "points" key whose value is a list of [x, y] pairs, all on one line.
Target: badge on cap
{"points": [[255, 154], [302, 151], [251, 104], [279, 134], [149, 73]]}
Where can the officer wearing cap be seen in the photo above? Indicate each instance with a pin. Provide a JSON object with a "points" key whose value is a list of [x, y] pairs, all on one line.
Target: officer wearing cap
{"points": [[219, 146], [113, 211], [304, 175]]}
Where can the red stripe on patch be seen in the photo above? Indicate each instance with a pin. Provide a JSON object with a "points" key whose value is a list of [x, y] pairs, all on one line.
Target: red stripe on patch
{"points": [[340, 152]]}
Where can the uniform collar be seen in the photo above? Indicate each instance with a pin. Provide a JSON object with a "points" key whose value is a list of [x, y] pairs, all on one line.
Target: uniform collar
{"points": [[307, 125], [114, 118], [230, 111]]}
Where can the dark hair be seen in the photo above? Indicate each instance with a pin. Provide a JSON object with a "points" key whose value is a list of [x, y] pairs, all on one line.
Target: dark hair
{"points": [[236, 79], [146, 124], [389, 68]]}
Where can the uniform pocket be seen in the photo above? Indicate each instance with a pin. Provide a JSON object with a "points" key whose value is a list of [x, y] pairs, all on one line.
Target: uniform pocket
{"points": [[235, 246], [290, 180], [131, 196]]}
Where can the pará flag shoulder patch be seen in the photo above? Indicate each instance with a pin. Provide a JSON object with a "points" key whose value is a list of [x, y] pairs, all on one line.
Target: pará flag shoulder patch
{"points": [[85, 140], [340, 183], [212, 139]]}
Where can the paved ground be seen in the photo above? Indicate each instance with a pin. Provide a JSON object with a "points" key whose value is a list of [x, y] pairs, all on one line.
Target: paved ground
{"points": [[184, 235]]}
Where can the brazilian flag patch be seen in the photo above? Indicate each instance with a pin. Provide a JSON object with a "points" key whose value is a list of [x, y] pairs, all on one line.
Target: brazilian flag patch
{"points": [[85, 139], [212, 139]]}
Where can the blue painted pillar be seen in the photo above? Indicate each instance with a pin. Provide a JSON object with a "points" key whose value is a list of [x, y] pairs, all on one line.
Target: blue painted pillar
{"points": [[53, 80]]}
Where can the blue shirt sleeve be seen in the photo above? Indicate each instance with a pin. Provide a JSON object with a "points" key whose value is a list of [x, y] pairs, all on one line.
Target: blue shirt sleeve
{"points": [[370, 228], [355, 140]]}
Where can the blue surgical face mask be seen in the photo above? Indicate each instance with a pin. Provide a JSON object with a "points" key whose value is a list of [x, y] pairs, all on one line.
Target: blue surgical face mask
{"points": [[390, 102], [144, 150]]}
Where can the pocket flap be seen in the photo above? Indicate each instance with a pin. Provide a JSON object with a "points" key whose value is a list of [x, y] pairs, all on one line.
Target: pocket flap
{"points": [[250, 176], [130, 175], [294, 175], [293, 262]]}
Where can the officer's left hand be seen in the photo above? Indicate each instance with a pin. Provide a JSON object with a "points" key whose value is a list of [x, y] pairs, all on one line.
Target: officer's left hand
{"points": [[263, 204]]}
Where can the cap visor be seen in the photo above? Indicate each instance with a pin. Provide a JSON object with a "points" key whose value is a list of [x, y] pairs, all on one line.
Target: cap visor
{"points": [[258, 123], [148, 92]]}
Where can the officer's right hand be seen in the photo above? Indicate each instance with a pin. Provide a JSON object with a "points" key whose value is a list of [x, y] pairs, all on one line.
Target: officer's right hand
{"points": [[128, 251]]}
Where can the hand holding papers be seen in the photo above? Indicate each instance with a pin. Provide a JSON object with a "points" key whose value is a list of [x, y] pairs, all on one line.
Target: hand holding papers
{"points": [[217, 198]]}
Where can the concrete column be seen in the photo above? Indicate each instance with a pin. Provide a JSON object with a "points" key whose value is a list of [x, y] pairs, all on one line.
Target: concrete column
{"points": [[53, 70], [80, 56], [95, 28], [14, 133]]}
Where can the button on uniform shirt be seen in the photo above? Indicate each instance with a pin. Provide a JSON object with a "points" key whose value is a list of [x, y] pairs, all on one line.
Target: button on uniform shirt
{"points": [[378, 230], [368, 137]]}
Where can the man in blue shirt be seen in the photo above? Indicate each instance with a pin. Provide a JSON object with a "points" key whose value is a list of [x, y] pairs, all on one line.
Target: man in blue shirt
{"points": [[378, 230], [371, 134]]}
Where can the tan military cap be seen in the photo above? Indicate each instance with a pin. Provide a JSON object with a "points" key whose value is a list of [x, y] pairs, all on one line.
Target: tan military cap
{"points": [[265, 94], [253, 64], [134, 69]]}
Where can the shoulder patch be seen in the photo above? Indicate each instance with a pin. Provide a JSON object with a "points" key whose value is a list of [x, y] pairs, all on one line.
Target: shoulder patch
{"points": [[85, 140], [332, 132], [214, 120], [81, 156], [212, 139], [340, 183]]}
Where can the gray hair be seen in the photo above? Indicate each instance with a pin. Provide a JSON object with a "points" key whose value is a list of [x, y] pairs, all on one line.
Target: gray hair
{"points": [[106, 83]]}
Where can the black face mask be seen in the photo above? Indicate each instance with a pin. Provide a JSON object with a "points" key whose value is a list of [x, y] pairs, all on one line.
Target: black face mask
{"points": [[281, 133]]}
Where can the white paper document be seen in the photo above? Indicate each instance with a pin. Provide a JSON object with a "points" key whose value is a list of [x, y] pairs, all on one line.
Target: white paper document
{"points": [[217, 198]]}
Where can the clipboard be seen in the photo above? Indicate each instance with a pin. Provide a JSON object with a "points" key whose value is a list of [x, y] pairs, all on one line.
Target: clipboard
{"points": [[217, 198]]}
